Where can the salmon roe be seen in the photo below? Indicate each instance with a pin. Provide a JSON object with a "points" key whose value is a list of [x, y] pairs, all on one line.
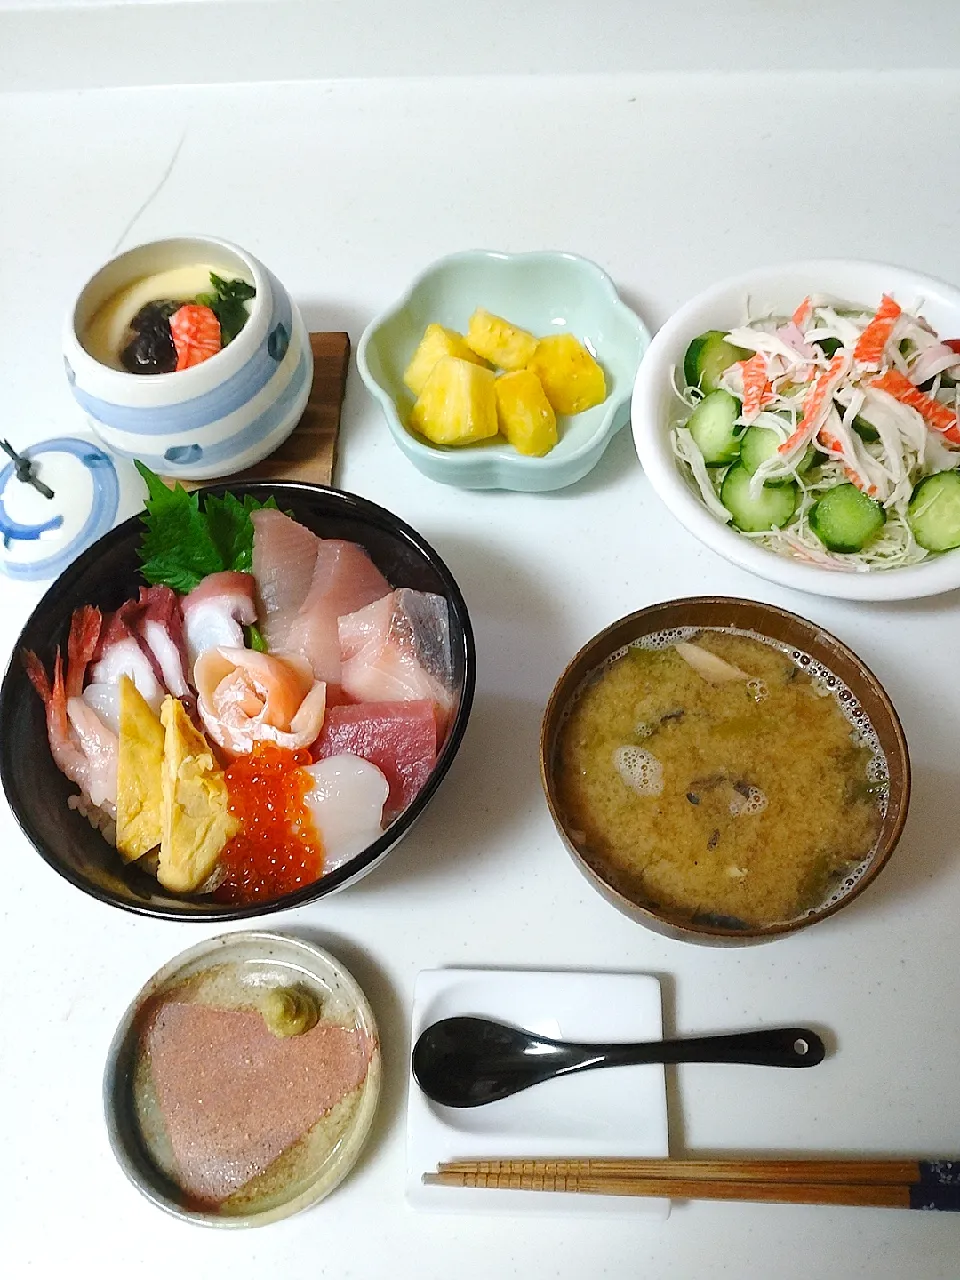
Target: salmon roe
{"points": [[277, 849]]}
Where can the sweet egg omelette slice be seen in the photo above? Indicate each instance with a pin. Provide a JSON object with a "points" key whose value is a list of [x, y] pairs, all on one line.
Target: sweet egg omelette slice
{"points": [[196, 822], [139, 766]]}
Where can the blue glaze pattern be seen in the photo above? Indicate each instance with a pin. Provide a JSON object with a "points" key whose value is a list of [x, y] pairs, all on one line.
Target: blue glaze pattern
{"points": [[939, 1186], [278, 342], [104, 504]]}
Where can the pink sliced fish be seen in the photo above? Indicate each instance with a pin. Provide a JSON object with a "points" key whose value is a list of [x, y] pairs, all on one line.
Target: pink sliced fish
{"points": [[345, 580], [215, 613], [160, 629], [284, 555], [247, 697], [398, 650], [122, 652]]}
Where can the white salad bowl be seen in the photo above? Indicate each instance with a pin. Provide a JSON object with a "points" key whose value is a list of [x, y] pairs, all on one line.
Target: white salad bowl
{"points": [[212, 419], [655, 408]]}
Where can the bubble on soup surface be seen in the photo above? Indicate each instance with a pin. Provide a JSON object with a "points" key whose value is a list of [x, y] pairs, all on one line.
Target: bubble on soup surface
{"points": [[640, 770], [747, 800]]}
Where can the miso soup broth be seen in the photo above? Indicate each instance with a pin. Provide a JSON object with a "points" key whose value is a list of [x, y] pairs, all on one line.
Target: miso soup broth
{"points": [[740, 791]]}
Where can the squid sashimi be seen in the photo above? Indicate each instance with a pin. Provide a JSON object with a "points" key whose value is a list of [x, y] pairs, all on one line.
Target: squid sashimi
{"points": [[246, 697], [400, 738], [284, 555], [215, 613], [398, 650], [160, 627], [346, 803], [120, 653], [345, 580]]}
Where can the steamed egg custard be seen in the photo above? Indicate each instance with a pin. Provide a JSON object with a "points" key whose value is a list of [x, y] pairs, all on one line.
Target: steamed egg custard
{"points": [[722, 777]]}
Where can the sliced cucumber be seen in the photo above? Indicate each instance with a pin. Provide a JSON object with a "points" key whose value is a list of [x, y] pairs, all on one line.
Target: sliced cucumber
{"points": [[708, 356], [845, 519], [772, 508], [761, 443], [713, 426], [829, 346], [934, 512]]}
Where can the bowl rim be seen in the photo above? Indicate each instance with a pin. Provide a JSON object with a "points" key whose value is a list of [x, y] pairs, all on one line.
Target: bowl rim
{"points": [[497, 453], [929, 578], [115, 1081], [683, 929], [363, 862]]}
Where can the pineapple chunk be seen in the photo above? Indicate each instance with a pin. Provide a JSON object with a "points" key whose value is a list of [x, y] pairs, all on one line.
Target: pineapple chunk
{"points": [[526, 418], [436, 343], [571, 377], [499, 342], [458, 404]]}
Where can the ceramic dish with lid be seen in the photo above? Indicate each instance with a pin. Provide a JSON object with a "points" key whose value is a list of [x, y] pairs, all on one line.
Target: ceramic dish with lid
{"points": [[777, 291], [211, 419], [830, 667], [224, 1115], [544, 293]]}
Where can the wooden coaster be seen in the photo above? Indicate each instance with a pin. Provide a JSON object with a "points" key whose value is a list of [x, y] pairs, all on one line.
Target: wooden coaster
{"points": [[310, 451]]}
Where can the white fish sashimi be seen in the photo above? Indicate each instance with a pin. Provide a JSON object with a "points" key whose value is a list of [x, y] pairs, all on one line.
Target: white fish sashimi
{"points": [[216, 611], [104, 699], [284, 556], [346, 802]]}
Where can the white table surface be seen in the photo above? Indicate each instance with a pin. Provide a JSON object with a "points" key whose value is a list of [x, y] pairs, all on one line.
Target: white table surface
{"points": [[345, 190]]}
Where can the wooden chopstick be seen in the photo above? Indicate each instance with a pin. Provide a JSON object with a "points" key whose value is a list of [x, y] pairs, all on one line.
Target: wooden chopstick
{"points": [[905, 1184]]}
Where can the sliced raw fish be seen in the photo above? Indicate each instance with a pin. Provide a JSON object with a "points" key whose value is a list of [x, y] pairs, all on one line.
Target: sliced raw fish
{"points": [[284, 554], [102, 750], [345, 579], [120, 653], [400, 738], [247, 697], [104, 699], [398, 650], [215, 613], [161, 627], [346, 802]]}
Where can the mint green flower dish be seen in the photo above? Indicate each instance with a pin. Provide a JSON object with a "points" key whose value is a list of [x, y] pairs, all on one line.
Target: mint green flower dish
{"points": [[544, 292]]}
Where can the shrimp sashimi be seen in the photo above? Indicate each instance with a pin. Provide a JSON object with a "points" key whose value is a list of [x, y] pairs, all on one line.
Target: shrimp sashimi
{"points": [[216, 611], [84, 635], [247, 697], [936, 414], [101, 747], [284, 555], [346, 803], [345, 580], [120, 652], [398, 650], [160, 627], [868, 353], [818, 403]]}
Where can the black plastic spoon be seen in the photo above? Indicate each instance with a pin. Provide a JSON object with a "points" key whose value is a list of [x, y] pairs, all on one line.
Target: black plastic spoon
{"points": [[467, 1062]]}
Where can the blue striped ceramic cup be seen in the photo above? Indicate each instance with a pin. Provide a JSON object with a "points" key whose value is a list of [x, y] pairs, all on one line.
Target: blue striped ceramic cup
{"points": [[212, 419]]}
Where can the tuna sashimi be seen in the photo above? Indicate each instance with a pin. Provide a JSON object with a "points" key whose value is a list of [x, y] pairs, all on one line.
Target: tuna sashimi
{"points": [[284, 555], [398, 650], [400, 738], [345, 580], [215, 613]]}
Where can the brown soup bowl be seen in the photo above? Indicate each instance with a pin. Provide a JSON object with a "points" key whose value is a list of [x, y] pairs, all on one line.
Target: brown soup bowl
{"points": [[625, 890]]}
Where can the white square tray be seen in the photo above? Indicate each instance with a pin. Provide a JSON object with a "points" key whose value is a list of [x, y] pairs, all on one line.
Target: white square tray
{"points": [[617, 1112]]}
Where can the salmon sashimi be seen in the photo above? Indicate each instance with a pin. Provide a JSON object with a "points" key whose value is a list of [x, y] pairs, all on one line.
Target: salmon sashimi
{"points": [[160, 627], [345, 580], [216, 611], [196, 335], [868, 353], [400, 738], [757, 390], [246, 697], [82, 643], [398, 650], [346, 802], [817, 404], [935, 414], [284, 556]]}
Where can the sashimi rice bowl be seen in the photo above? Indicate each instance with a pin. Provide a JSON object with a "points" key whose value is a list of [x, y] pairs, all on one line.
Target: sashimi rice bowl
{"points": [[806, 423], [236, 702]]}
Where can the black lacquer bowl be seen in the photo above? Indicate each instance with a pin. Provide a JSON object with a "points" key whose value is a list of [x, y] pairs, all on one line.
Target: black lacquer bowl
{"points": [[107, 574]]}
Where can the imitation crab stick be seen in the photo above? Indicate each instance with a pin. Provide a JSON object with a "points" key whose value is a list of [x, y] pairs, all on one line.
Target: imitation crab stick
{"points": [[801, 317], [756, 387], [836, 449], [817, 404], [868, 352], [936, 414]]}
